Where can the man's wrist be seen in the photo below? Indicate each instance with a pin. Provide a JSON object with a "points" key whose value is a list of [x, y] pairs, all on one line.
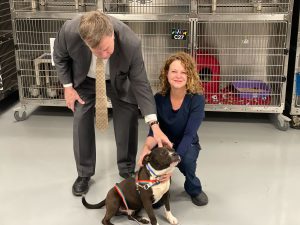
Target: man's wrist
{"points": [[154, 122], [150, 118], [68, 85]]}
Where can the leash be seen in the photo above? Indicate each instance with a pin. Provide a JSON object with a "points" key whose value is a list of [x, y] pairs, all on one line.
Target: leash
{"points": [[119, 191]]}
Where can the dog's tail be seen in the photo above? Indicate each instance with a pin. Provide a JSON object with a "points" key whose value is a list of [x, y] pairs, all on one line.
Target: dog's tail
{"points": [[92, 206]]}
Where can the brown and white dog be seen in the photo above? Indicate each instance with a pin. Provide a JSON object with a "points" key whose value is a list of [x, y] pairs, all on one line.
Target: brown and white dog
{"points": [[133, 194]]}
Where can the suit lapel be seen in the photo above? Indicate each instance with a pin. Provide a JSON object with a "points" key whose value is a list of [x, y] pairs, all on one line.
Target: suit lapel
{"points": [[114, 61], [86, 57]]}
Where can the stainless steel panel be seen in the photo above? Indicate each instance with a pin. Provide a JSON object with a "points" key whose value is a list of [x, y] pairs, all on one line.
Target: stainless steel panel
{"points": [[244, 6], [54, 5], [147, 6]]}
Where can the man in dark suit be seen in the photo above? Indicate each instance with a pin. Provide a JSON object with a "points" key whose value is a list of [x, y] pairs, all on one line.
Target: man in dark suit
{"points": [[77, 46]]}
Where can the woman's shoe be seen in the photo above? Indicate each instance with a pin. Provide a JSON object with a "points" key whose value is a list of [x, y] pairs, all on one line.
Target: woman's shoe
{"points": [[200, 199]]}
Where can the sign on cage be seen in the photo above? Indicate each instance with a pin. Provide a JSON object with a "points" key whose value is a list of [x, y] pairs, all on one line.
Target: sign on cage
{"points": [[179, 34]]}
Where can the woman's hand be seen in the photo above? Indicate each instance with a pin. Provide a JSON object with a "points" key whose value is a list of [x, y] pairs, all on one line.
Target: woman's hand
{"points": [[142, 155], [165, 177], [149, 144]]}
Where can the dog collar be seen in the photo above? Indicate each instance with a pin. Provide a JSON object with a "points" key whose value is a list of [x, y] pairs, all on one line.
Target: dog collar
{"points": [[150, 169], [146, 184]]}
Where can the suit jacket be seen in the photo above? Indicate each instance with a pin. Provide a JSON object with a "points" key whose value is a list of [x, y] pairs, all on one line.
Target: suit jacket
{"points": [[72, 59]]}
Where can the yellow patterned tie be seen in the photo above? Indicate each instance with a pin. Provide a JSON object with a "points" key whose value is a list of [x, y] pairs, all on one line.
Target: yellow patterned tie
{"points": [[101, 99]]}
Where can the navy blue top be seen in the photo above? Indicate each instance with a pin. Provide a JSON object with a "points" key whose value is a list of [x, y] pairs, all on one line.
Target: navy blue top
{"points": [[181, 125]]}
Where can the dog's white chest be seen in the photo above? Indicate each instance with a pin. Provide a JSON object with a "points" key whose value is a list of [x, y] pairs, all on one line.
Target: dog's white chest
{"points": [[159, 190]]}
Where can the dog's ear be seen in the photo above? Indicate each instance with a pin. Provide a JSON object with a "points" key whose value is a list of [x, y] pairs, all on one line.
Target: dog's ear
{"points": [[146, 159]]}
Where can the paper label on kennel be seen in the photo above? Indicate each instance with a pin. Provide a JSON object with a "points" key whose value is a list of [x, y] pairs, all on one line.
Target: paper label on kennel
{"points": [[52, 49]]}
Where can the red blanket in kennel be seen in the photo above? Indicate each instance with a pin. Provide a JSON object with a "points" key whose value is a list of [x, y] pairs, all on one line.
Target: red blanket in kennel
{"points": [[208, 68], [242, 93]]}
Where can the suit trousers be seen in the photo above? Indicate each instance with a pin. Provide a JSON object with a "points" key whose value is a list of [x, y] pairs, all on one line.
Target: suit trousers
{"points": [[125, 122], [187, 167]]}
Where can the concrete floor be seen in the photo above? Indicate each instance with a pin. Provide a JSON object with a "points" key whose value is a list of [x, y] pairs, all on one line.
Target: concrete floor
{"points": [[249, 170]]}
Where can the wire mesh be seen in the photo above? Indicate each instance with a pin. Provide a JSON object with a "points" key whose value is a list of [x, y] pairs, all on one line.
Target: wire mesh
{"points": [[38, 77], [147, 6], [5, 17], [8, 72], [157, 44], [244, 6], [242, 63], [54, 5]]}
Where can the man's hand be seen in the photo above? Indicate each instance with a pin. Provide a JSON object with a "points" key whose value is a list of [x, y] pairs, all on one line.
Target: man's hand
{"points": [[71, 96], [160, 137]]}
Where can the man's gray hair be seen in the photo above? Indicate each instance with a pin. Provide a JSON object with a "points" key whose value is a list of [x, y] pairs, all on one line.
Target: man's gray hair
{"points": [[94, 26]]}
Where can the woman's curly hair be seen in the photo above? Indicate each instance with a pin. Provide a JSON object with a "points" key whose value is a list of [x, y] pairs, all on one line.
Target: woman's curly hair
{"points": [[193, 85]]}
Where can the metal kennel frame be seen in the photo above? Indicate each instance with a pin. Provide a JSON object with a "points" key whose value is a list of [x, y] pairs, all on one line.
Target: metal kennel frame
{"points": [[147, 7], [241, 54], [8, 72]]}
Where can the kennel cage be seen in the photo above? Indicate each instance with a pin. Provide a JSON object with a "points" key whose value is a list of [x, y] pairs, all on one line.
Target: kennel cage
{"points": [[54, 5], [37, 78], [246, 52], [8, 72], [243, 64]]}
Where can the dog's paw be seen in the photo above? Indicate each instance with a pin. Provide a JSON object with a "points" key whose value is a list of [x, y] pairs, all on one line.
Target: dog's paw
{"points": [[172, 219], [144, 220]]}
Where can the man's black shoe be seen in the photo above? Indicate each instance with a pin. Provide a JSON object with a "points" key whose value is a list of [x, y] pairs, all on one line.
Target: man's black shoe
{"points": [[80, 186], [200, 199], [126, 175]]}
